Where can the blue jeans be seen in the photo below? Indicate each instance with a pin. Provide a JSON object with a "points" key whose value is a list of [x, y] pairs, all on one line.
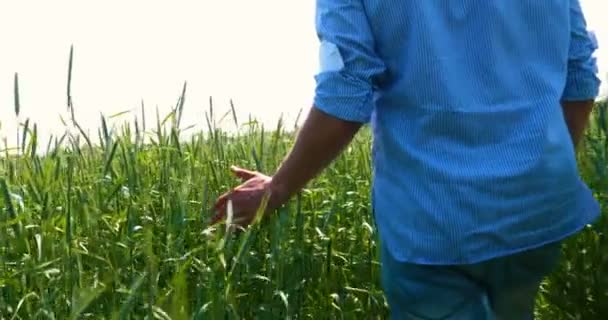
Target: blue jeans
{"points": [[502, 288]]}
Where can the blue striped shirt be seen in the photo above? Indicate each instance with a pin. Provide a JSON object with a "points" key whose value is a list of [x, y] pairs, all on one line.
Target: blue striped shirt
{"points": [[472, 157]]}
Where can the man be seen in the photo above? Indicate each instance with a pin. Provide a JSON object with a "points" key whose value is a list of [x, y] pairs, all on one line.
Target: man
{"points": [[476, 107]]}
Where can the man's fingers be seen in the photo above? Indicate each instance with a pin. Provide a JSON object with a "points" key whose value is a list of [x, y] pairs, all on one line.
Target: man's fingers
{"points": [[243, 174], [241, 219], [220, 209], [217, 217], [221, 200], [243, 197]]}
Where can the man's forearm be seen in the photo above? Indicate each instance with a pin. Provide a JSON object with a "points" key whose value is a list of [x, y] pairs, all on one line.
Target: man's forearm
{"points": [[318, 143], [576, 114]]}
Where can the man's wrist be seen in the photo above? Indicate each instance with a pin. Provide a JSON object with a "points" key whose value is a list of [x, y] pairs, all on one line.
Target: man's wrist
{"points": [[279, 192]]}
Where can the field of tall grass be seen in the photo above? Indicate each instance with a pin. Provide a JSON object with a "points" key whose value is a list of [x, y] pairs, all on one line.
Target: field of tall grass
{"points": [[115, 226]]}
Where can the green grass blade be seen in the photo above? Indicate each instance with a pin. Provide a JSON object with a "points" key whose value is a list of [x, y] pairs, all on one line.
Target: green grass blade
{"points": [[16, 95], [69, 87]]}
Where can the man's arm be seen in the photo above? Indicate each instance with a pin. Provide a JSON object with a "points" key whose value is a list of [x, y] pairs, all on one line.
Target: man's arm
{"points": [[319, 142], [582, 83], [577, 114], [343, 102], [345, 84]]}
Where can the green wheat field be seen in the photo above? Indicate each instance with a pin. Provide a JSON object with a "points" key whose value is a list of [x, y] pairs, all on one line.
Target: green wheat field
{"points": [[115, 226]]}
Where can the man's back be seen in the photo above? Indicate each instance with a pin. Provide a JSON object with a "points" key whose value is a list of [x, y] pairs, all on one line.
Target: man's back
{"points": [[471, 56], [472, 156]]}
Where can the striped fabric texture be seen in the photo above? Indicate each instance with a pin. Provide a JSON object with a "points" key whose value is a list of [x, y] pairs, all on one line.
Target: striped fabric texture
{"points": [[472, 157]]}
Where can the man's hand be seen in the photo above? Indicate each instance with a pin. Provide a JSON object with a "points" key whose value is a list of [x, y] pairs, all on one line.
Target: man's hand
{"points": [[320, 141], [248, 197]]}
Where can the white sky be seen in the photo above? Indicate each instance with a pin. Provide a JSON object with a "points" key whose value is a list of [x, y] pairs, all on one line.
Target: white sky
{"points": [[262, 54]]}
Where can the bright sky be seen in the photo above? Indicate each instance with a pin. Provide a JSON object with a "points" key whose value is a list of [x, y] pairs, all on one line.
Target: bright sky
{"points": [[262, 54]]}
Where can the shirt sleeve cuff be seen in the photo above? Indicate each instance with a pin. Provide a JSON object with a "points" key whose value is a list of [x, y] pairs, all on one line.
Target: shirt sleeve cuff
{"points": [[582, 82], [581, 86], [343, 96]]}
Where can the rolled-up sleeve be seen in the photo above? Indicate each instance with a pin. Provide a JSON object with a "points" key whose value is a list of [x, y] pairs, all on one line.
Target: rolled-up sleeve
{"points": [[349, 65], [582, 82]]}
